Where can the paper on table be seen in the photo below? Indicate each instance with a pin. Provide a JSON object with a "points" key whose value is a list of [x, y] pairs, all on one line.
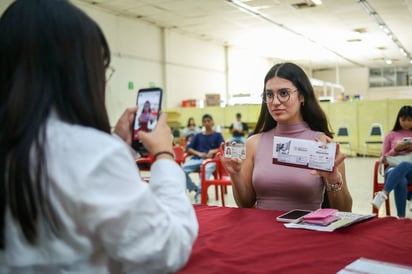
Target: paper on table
{"points": [[346, 219], [366, 266]]}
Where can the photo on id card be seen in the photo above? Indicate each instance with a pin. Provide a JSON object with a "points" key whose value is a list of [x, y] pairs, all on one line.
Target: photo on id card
{"points": [[235, 151]]}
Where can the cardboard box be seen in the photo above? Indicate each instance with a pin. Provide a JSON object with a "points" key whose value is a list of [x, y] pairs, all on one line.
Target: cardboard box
{"points": [[212, 99]]}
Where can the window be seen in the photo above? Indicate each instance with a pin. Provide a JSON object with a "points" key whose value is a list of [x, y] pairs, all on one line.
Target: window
{"points": [[390, 77]]}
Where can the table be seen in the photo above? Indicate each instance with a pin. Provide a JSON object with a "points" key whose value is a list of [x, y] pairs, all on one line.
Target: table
{"points": [[243, 240]]}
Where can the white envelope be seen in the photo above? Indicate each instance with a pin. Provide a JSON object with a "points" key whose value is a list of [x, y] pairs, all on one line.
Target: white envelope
{"points": [[303, 153]]}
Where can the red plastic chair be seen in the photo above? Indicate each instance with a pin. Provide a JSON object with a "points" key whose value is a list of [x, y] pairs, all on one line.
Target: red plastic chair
{"points": [[144, 164], [188, 155], [220, 179], [378, 186], [180, 156]]}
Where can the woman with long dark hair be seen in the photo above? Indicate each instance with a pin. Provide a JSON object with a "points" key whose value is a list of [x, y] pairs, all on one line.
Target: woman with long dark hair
{"points": [[289, 109], [71, 197], [398, 142]]}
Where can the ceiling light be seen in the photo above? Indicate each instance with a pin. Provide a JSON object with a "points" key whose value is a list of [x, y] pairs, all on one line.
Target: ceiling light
{"points": [[242, 6], [365, 5], [317, 2]]}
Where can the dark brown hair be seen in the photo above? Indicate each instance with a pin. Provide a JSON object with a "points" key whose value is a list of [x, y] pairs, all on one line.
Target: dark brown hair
{"points": [[53, 57], [311, 111]]}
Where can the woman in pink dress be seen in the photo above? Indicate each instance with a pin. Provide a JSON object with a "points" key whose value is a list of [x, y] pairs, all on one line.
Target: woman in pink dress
{"points": [[289, 109]]}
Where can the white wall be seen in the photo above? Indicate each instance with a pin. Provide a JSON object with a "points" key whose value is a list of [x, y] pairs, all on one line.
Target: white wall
{"points": [[193, 68], [246, 73], [144, 54]]}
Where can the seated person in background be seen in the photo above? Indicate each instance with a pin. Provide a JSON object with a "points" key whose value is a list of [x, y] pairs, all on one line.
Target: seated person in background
{"points": [[190, 130], [289, 109], [393, 145], [204, 145], [238, 130], [72, 200]]}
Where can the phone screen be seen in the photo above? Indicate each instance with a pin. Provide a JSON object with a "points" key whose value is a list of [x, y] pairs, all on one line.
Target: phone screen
{"points": [[149, 105], [293, 215]]}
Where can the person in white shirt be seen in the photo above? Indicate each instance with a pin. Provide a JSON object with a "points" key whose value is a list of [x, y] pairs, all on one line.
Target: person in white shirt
{"points": [[71, 196], [239, 130]]}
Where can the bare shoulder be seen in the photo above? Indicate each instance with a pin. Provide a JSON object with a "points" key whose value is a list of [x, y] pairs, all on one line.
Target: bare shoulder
{"points": [[251, 143]]}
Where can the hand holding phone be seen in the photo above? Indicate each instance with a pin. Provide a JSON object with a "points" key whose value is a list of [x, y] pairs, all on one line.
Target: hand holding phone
{"points": [[149, 102], [122, 127]]}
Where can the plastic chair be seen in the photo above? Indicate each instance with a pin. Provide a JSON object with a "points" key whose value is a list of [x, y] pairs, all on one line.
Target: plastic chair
{"points": [[180, 156], [199, 171], [220, 179], [378, 186], [375, 137], [342, 137], [144, 164]]}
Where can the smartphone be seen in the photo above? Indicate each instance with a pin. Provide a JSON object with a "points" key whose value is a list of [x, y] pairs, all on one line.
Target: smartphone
{"points": [[293, 216], [407, 139], [149, 102]]}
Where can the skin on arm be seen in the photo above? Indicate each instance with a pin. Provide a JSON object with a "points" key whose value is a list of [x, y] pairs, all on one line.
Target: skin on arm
{"points": [[240, 172]]}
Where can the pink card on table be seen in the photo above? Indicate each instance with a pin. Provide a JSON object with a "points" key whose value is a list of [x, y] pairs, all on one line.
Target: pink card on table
{"points": [[322, 221], [320, 213]]}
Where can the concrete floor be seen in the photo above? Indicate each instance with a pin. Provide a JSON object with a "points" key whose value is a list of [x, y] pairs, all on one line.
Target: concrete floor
{"points": [[359, 173]]}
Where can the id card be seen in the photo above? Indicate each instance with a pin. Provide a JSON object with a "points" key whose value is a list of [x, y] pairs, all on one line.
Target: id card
{"points": [[235, 151], [304, 153]]}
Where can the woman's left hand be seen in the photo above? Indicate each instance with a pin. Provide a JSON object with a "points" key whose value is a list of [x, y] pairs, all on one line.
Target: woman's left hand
{"points": [[339, 158]]}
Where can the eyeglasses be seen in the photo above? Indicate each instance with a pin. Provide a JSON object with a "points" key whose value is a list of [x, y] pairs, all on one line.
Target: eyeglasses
{"points": [[283, 95], [109, 73]]}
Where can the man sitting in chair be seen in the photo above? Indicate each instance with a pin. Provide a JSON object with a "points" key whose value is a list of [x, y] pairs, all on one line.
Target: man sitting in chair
{"points": [[204, 145]]}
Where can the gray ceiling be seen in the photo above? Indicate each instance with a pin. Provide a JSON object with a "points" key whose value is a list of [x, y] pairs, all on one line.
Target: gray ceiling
{"points": [[321, 36]]}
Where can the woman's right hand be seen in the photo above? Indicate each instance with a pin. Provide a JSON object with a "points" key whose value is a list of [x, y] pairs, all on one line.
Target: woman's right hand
{"points": [[231, 165]]}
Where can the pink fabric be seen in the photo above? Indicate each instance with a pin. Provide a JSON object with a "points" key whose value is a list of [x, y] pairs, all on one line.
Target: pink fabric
{"points": [[244, 240], [392, 139], [280, 187]]}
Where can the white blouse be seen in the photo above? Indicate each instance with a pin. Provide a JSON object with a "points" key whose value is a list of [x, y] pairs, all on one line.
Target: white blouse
{"points": [[113, 221]]}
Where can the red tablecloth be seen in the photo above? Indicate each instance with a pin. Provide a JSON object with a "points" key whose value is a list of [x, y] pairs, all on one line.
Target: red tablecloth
{"points": [[234, 240]]}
